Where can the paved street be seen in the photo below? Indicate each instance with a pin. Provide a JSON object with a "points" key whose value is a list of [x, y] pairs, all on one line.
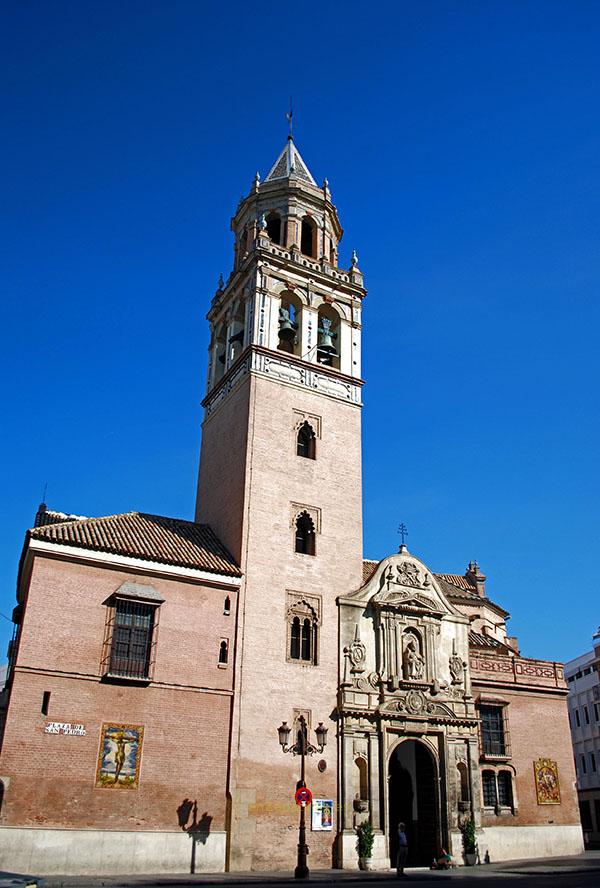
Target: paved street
{"points": [[566, 872]]}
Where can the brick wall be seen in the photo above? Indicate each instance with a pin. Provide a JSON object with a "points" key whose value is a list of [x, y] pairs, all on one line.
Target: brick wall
{"points": [[185, 711], [538, 728]]}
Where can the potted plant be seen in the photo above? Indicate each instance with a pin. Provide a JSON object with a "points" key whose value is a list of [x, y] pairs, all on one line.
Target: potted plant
{"points": [[364, 845], [469, 841]]}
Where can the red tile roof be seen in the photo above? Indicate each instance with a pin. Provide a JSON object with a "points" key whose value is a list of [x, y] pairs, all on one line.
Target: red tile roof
{"points": [[368, 570], [477, 639], [138, 535], [459, 581]]}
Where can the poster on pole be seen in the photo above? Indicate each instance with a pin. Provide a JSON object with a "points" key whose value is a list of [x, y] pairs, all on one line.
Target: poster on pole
{"points": [[322, 815]]}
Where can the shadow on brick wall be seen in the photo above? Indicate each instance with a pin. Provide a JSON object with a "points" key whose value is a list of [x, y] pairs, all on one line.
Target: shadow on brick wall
{"points": [[197, 829]]}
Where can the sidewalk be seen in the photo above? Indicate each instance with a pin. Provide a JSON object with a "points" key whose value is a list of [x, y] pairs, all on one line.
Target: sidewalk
{"points": [[585, 863]]}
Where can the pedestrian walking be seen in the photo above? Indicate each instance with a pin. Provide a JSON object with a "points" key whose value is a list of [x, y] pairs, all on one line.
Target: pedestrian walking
{"points": [[402, 849]]}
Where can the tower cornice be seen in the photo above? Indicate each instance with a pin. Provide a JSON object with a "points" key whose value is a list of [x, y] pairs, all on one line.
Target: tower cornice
{"points": [[287, 369]]}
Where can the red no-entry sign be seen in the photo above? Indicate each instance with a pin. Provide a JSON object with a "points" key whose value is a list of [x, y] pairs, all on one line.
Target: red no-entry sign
{"points": [[303, 796]]}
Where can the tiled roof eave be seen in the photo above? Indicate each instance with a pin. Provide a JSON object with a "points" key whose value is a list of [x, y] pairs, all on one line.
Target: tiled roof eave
{"points": [[151, 538]]}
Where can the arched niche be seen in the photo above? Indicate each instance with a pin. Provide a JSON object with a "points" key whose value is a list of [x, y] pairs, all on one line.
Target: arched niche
{"points": [[361, 780], [413, 657], [463, 782]]}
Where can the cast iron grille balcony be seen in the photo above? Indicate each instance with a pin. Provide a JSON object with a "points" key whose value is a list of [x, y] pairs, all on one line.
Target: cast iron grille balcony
{"points": [[131, 639]]}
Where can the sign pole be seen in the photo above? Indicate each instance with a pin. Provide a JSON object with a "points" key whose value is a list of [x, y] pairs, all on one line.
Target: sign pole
{"points": [[302, 871]]}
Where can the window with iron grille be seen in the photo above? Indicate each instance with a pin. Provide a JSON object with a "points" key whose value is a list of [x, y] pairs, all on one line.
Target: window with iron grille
{"points": [[504, 779], [492, 730], [488, 782], [131, 642]]}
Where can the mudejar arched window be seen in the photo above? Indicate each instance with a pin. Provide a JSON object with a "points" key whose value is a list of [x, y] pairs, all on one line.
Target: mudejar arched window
{"points": [[302, 637], [305, 534], [306, 441]]}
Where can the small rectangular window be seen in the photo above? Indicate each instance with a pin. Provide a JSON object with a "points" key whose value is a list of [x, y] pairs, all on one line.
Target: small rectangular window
{"points": [[582, 764], [597, 715], [593, 762], [45, 702], [578, 722], [586, 715]]}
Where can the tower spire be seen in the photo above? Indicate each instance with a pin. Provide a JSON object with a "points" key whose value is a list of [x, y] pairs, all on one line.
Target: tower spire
{"points": [[289, 116]]}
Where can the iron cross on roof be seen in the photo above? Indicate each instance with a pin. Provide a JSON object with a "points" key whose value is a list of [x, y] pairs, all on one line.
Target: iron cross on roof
{"points": [[402, 531]]}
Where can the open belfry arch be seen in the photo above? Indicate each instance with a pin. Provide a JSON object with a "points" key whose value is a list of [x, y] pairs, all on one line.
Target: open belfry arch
{"points": [[405, 680]]}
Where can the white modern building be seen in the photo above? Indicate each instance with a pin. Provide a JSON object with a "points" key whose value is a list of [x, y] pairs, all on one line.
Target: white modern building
{"points": [[583, 677]]}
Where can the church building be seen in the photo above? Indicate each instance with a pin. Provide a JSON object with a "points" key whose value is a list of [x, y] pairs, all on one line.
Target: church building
{"points": [[158, 663]]}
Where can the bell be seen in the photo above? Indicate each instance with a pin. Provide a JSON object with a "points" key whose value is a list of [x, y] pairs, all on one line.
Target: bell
{"points": [[325, 348], [287, 329]]}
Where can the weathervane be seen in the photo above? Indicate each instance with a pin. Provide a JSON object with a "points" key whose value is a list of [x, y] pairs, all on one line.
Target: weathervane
{"points": [[402, 531], [289, 117]]}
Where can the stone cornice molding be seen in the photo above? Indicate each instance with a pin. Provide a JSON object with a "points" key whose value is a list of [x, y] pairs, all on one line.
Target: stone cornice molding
{"points": [[286, 369]]}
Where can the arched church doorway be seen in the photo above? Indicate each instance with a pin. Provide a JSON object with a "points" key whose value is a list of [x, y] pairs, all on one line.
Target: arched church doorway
{"points": [[413, 800]]}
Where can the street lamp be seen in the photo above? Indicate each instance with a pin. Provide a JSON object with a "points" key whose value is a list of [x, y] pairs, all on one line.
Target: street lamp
{"points": [[302, 748]]}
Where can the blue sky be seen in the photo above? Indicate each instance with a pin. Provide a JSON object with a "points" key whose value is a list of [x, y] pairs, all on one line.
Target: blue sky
{"points": [[461, 141]]}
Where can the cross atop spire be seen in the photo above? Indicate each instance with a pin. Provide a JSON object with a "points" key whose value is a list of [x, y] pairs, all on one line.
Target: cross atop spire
{"points": [[289, 116]]}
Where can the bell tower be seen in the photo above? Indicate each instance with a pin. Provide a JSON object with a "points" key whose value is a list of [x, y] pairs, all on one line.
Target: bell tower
{"points": [[280, 484]]}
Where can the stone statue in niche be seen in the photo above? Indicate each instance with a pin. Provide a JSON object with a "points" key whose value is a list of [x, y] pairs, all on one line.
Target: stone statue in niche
{"points": [[413, 662]]}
